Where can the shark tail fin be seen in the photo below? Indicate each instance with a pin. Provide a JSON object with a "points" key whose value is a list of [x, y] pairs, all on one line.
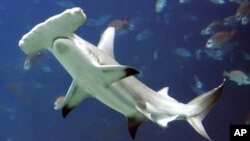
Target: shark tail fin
{"points": [[199, 107]]}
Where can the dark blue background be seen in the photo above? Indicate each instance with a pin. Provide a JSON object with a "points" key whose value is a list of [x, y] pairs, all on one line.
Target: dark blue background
{"points": [[27, 98]]}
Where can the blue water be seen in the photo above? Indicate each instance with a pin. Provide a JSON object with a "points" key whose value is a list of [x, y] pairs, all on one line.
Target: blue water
{"points": [[27, 97]]}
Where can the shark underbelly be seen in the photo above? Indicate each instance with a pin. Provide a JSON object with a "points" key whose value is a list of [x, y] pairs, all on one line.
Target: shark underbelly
{"points": [[120, 95], [117, 97]]}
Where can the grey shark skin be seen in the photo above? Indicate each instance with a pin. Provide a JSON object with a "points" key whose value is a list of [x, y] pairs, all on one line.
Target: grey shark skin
{"points": [[97, 74]]}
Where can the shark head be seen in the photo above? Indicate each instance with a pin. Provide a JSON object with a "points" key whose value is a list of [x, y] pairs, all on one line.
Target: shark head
{"points": [[42, 37]]}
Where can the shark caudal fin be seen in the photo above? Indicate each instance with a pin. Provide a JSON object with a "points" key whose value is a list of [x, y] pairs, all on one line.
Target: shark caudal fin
{"points": [[199, 107]]}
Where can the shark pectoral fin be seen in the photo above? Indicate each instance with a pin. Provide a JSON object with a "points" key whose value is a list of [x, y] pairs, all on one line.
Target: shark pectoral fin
{"points": [[66, 110], [73, 98], [59, 103], [133, 125], [106, 42], [113, 73]]}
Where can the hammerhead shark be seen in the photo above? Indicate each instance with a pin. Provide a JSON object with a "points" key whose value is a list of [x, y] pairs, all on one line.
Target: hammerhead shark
{"points": [[97, 74]]}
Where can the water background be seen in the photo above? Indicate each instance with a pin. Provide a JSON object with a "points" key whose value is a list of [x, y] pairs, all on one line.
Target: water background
{"points": [[27, 97]]}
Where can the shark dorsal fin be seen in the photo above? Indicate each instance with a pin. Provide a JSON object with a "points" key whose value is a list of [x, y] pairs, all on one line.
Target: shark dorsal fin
{"points": [[106, 42], [113, 73], [164, 93]]}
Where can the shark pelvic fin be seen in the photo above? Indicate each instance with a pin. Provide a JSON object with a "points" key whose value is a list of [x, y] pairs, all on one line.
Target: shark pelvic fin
{"points": [[106, 42], [113, 73], [161, 119], [73, 98], [133, 125]]}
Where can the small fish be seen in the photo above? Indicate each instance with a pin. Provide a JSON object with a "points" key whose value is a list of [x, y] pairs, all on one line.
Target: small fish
{"points": [[246, 19], [184, 1], [160, 5], [230, 21], [198, 54], [198, 83], [243, 13], [238, 77], [136, 22], [239, 1], [118, 24], [33, 59], [220, 53], [198, 87], [143, 35], [212, 28], [182, 52], [66, 4], [218, 1], [219, 39], [27, 65], [167, 19], [155, 55], [215, 54], [246, 55], [187, 37]]}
